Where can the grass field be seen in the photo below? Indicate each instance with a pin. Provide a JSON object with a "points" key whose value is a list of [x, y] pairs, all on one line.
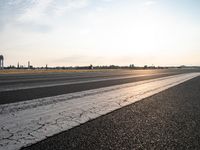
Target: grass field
{"points": [[38, 71]]}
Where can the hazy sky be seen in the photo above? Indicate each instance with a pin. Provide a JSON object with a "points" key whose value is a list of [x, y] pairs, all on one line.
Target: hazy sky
{"points": [[100, 32]]}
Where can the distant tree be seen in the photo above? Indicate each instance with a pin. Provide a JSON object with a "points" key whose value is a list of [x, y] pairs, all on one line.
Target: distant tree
{"points": [[91, 67]]}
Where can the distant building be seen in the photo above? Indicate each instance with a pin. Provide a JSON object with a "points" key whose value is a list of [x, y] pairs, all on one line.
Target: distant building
{"points": [[131, 66], [29, 65], [1, 62]]}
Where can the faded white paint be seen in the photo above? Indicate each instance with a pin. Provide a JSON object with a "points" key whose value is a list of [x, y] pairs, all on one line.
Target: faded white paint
{"points": [[24, 123], [67, 82]]}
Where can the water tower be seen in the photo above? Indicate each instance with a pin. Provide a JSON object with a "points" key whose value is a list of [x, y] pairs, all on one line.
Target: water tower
{"points": [[1, 61]]}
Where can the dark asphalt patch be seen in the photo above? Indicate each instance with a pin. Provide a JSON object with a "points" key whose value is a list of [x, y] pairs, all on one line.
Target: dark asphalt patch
{"points": [[41, 92], [167, 120]]}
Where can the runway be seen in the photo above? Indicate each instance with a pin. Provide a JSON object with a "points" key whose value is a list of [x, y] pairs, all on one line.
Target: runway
{"points": [[167, 120], [15, 88], [42, 109]]}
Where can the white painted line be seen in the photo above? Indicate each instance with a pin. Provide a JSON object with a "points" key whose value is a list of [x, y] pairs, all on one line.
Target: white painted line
{"points": [[24, 123], [49, 84]]}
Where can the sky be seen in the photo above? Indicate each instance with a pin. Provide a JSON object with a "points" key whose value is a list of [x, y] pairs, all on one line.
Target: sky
{"points": [[100, 32]]}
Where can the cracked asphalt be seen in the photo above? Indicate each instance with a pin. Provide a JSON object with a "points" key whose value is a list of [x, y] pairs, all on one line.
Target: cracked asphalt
{"points": [[167, 120], [25, 123]]}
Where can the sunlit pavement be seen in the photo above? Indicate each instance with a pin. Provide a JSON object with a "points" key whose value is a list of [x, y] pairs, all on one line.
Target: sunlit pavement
{"points": [[28, 122], [167, 120]]}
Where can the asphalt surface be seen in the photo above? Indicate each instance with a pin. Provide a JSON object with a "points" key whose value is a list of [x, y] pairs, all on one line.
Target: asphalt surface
{"points": [[43, 78], [53, 78], [167, 120], [24, 80]]}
